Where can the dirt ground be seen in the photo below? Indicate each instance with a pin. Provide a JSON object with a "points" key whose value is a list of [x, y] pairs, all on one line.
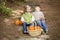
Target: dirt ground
{"points": [[8, 31]]}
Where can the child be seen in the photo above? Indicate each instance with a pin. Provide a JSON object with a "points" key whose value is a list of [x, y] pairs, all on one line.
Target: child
{"points": [[27, 18], [40, 19]]}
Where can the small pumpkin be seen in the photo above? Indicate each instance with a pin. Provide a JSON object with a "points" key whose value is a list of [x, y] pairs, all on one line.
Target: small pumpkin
{"points": [[37, 28], [31, 28], [20, 22], [17, 22]]}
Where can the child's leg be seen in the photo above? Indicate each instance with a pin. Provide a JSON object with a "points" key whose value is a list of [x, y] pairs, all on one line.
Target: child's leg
{"points": [[39, 24], [45, 27], [24, 27]]}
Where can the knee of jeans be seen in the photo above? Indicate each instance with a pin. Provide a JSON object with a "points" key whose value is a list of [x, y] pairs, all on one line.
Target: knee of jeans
{"points": [[43, 21], [24, 22], [38, 22]]}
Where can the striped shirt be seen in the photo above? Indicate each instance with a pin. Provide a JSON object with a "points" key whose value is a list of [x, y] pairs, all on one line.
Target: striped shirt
{"points": [[38, 15]]}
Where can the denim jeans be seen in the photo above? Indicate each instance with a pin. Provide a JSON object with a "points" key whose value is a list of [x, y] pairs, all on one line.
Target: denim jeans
{"points": [[25, 27], [42, 24]]}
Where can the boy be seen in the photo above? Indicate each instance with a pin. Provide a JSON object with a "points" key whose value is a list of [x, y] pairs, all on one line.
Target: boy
{"points": [[40, 19], [27, 18]]}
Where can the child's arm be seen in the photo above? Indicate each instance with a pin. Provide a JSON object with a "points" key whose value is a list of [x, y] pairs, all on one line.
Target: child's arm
{"points": [[33, 19], [42, 15], [22, 19]]}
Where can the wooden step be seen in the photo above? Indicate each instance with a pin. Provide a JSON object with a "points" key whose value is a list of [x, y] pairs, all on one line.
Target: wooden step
{"points": [[42, 37]]}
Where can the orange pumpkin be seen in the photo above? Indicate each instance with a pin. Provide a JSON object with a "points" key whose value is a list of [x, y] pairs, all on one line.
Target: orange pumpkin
{"points": [[31, 28], [20, 22], [17, 22], [37, 28]]}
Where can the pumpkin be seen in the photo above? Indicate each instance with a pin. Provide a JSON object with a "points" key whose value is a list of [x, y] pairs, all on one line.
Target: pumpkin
{"points": [[20, 22], [17, 22], [37, 28], [31, 28]]}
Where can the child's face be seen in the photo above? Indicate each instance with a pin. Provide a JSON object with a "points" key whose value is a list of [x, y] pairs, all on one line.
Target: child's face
{"points": [[28, 9], [37, 8]]}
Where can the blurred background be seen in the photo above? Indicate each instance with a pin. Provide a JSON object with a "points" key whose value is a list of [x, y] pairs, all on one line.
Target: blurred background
{"points": [[10, 10]]}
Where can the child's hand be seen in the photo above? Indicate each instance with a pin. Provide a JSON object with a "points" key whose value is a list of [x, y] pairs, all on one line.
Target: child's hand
{"points": [[32, 21], [42, 18]]}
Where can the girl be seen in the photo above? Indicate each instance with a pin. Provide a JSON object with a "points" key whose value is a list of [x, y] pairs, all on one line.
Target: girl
{"points": [[27, 18]]}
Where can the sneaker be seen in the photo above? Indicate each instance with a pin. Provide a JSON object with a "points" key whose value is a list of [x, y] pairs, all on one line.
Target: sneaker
{"points": [[46, 32], [25, 32]]}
